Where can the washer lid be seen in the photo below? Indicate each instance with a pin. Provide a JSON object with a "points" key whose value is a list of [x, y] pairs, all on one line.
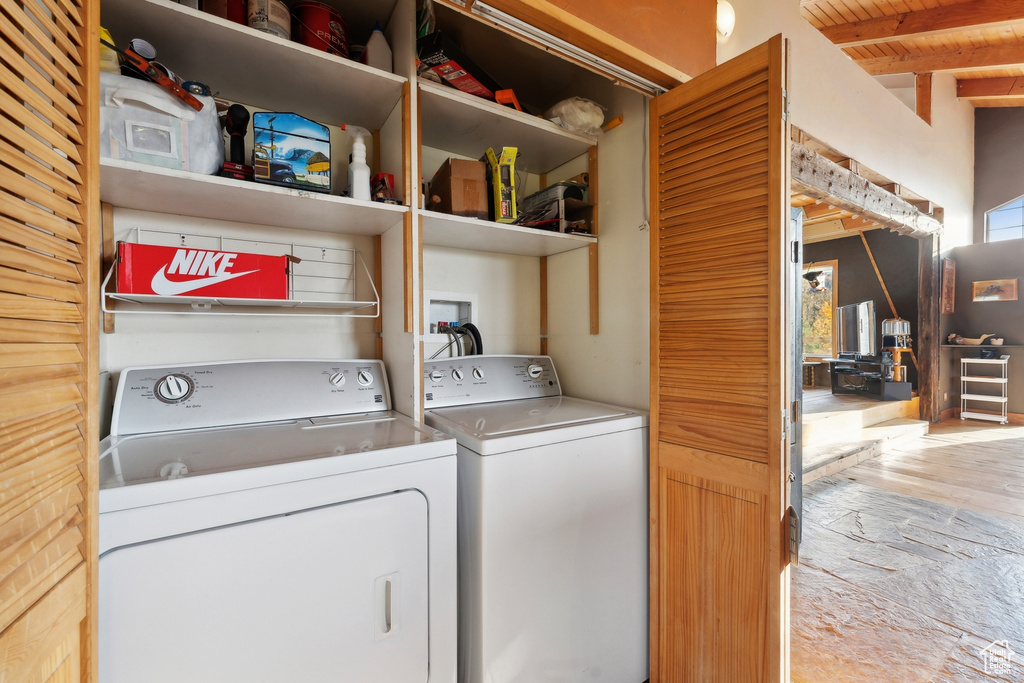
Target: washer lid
{"points": [[148, 469], [511, 425]]}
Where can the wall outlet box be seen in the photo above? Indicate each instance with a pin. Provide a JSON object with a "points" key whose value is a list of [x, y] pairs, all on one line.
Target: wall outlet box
{"points": [[450, 307]]}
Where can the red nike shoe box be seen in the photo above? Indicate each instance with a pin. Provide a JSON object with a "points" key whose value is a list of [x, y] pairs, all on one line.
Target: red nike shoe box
{"points": [[179, 271]]}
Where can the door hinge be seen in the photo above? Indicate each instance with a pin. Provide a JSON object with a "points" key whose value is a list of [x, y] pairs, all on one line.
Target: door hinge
{"points": [[794, 537], [794, 251], [785, 427], [785, 105]]}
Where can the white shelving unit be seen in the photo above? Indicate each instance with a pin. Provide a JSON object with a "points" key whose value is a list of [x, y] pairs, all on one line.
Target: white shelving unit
{"points": [[129, 185], [244, 65], [467, 125], [999, 379], [457, 232], [260, 70], [321, 281]]}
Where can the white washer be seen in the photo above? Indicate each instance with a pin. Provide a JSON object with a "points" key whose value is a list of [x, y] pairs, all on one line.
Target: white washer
{"points": [[553, 524], [274, 521]]}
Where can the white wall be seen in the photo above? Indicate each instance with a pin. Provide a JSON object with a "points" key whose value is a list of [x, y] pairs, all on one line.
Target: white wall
{"points": [[834, 100], [176, 338], [613, 366]]}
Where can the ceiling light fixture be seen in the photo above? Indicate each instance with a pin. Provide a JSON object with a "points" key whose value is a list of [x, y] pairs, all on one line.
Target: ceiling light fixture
{"points": [[564, 48], [726, 20]]}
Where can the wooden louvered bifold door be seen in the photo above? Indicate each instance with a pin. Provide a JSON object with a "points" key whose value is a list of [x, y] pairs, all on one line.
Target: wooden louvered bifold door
{"points": [[48, 314], [719, 583]]}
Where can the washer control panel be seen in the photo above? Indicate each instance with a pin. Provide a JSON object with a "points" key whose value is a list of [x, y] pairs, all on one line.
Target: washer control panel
{"points": [[486, 379], [169, 398]]}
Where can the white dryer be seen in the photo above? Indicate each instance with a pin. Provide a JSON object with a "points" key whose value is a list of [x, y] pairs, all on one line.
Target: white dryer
{"points": [[274, 521], [553, 524]]}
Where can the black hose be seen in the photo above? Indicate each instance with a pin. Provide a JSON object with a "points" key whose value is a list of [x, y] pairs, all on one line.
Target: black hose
{"points": [[478, 344]]}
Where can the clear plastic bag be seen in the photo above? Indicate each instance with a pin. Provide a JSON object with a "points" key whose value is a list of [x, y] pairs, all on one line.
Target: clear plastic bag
{"points": [[577, 114]]}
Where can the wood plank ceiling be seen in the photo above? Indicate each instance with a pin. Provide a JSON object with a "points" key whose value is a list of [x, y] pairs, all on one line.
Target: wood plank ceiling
{"points": [[981, 42]]}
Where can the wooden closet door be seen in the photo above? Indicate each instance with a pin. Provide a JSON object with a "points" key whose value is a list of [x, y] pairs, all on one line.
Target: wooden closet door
{"points": [[719, 553], [49, 210]]}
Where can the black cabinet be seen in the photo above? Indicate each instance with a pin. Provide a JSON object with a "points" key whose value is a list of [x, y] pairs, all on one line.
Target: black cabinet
{"points": [[865, 376]]}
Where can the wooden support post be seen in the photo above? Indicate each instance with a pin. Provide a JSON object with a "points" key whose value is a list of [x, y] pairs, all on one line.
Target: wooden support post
{"points": [[407, 266], [378, 279], [592, 195], [410, 165], [109, 255], [544, 305], [928, 332], [923, 83]]}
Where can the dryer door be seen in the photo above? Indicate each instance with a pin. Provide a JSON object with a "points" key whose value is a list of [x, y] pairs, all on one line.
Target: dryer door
{"points": [[333, 593]]}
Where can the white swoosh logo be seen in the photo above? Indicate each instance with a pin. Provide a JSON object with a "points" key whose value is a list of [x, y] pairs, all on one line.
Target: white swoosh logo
{"points": [[164, 287]]}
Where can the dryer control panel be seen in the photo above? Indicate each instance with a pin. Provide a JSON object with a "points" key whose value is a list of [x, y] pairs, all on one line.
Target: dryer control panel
{"points": [[486, 379], [174, 397]]}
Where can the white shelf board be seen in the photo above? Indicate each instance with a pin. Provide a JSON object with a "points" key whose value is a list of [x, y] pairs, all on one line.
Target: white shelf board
{"points": [[150, 188], [467, 125], [983, 397], [456, 232], [245, 65], [987, 380], [982, 416], [989, 361]]}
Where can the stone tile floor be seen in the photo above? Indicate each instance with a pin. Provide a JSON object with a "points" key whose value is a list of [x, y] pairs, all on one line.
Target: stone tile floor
{"points": [[896, 588]]}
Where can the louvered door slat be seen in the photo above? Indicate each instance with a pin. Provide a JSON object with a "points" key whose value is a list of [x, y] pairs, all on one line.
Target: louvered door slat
{"points": [[30, 284], [43, 106], [24, 379], [42, 173], [34, 262], [49, 281], [19, 185], [718, 164], [38, 240], [34, 146], [41, 82], [56, 30], [29, 330], [25, 23]]}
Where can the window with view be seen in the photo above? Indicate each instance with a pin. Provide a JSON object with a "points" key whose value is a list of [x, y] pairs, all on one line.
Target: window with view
{"points": [[1005, 222], [818, 303]]}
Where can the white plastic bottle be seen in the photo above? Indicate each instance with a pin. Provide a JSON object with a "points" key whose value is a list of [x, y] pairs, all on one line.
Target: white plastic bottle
{"points": [[358, 171], [377, 53]]}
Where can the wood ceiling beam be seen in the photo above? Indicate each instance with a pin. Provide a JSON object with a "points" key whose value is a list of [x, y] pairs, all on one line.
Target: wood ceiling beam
{"points": [[816, 176], [962, 16], [961, 59], [990, 88]]}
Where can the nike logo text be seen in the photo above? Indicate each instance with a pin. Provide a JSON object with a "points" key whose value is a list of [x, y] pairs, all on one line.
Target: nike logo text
{"points": [[192, 262]]}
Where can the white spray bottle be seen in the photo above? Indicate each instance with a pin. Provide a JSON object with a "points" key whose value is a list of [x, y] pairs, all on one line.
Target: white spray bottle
{"points": [[358, 171]]}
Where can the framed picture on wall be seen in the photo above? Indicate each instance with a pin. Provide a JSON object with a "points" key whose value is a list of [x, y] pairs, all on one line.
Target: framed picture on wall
{"points": [[948, 285], [994, 290]]}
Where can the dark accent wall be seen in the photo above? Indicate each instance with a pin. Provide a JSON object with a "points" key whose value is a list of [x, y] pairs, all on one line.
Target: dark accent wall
{"points": [[896, 256], [998, 161], [977, 262]]}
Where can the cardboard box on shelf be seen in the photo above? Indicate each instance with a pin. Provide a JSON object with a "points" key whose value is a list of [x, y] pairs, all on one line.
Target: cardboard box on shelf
{"points": [[501, 174], [460, 188], [178, 271]]}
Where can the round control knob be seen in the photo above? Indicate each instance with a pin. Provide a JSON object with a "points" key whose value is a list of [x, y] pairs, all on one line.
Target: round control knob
{"points": [[436, 375], [478, 373], [534, 370], [457, 375], [337, 379], [174, 388], [365, 378]]}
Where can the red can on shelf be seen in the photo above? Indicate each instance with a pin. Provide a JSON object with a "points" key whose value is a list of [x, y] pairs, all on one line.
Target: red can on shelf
{"points": [[319, 26]]}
